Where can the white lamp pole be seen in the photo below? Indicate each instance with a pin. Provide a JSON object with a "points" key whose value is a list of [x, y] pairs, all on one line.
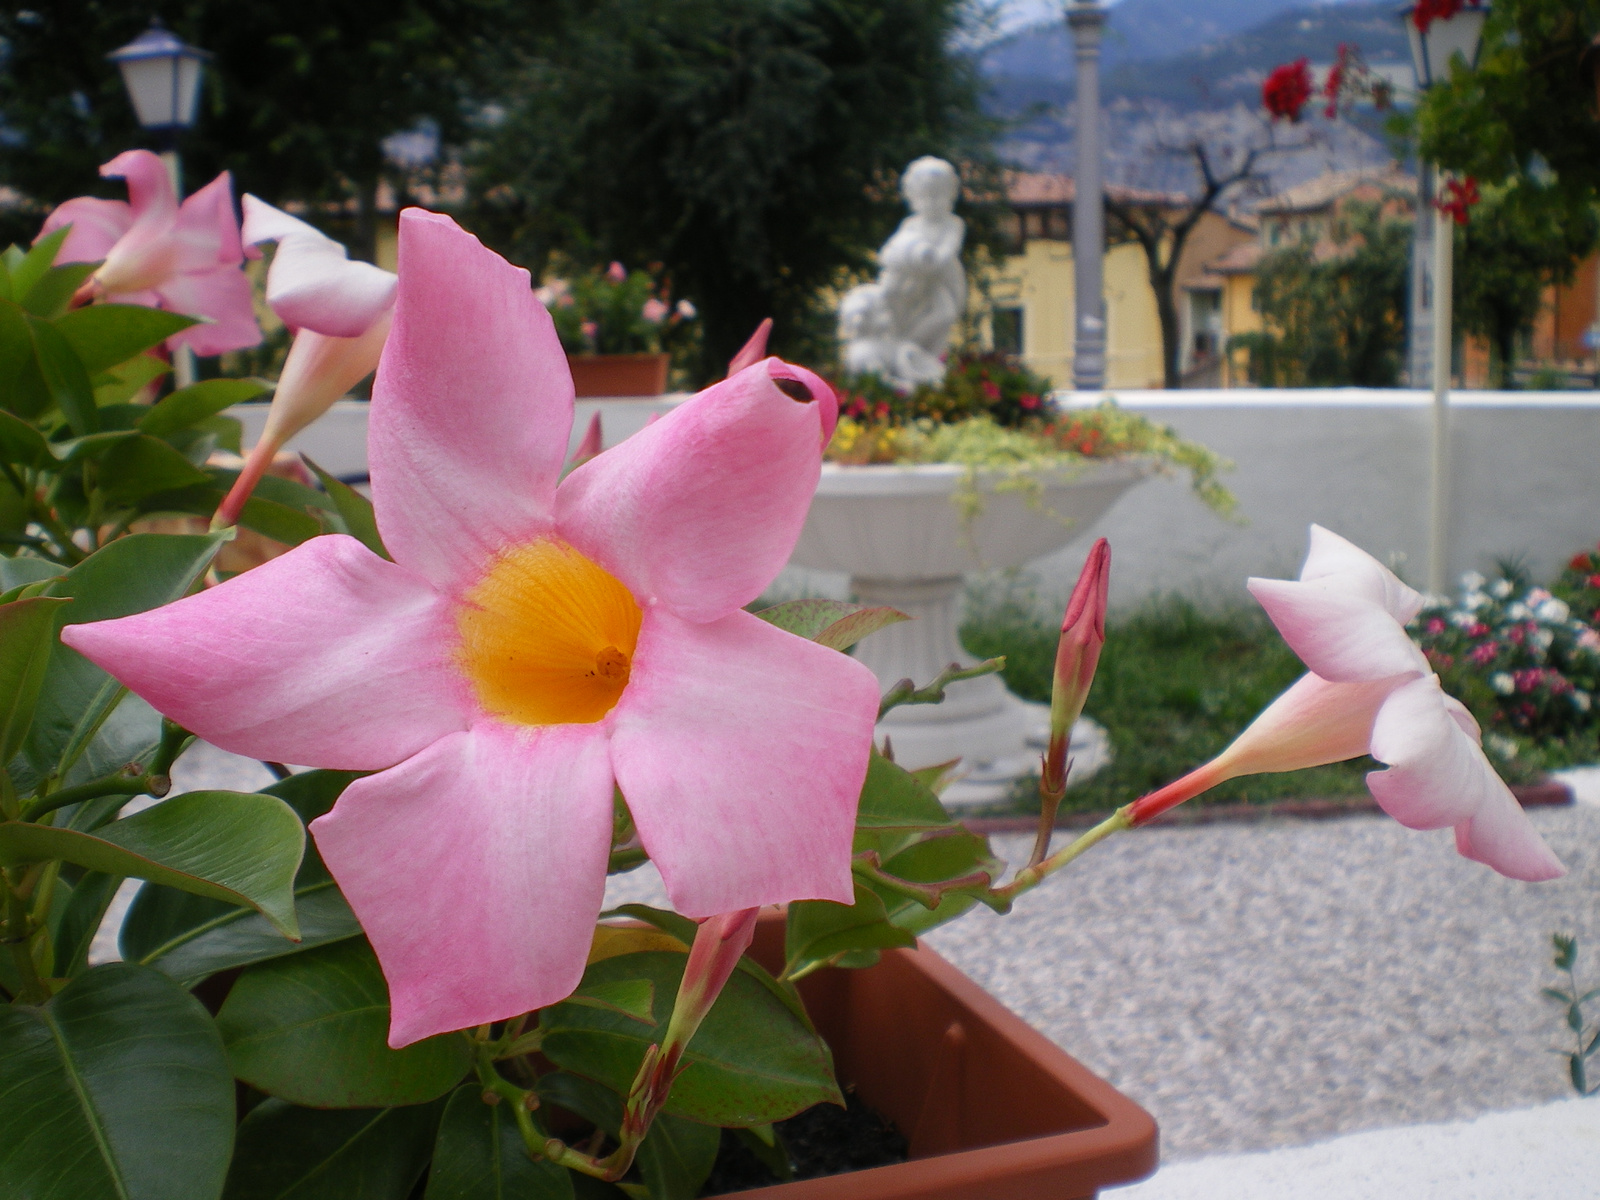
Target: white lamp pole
{"points": [[1435, 43], [1087, 19], [162, 76]]}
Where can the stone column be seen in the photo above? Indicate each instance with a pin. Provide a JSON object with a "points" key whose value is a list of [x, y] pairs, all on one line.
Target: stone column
{"points": [[1087, 19]]}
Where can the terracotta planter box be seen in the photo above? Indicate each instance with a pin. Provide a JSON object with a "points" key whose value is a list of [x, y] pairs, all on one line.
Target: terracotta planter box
{"points": [[992, 1109], [619, 374]]}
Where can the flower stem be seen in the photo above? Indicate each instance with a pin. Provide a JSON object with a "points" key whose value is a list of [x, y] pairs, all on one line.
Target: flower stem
{"points": [[1034, 874], [119, 784]]}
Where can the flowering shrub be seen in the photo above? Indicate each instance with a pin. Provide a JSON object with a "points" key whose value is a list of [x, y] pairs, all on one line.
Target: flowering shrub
{"points": [[615, 311], [1286, 89], [1524, 662], [1457, 198]]}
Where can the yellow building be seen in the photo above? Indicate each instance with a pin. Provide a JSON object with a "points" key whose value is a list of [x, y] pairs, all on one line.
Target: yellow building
{"points": [[1030, 293]]}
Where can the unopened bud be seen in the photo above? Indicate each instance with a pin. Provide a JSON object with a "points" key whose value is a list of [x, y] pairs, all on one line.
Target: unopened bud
{"points": [[1083, 632]]}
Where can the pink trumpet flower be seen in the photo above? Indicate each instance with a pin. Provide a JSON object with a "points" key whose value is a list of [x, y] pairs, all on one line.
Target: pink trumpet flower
{"points": [[754, 350], [1083, 633], [155, 252], [1370, 691], [593, 442], [533, 646], [340, 311]]}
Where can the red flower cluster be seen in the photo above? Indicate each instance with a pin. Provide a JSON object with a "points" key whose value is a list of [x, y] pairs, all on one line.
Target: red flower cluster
{"points": [[1286, 89], [1427, 12], [1459, 196], [1335, 80]]}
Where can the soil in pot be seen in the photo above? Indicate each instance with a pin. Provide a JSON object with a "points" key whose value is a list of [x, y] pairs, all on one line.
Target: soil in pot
{"points": [[823, 1140]]}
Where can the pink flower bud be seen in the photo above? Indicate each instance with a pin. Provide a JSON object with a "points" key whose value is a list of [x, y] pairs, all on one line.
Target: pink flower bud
{"points": [[616, 272], [654, 311], [1083, 632]]}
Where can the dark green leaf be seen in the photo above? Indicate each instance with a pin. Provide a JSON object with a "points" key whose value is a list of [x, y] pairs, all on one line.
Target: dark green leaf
{"points": [[831, 622], [242, 847], [22, 388], [132, 574], [118, 1087], [21, 443], [312, 1028], [27, 632], [751, 1062], [191, 405], [16, 572], [80, 921], [143, 466], [64, 375], [50, 296], [676, 1155], [106, 335], [90, 446], [892, 799], [278, 522], [354, 509], [631, 997], [819, 930], [290, 1153], [28, 267], [126, 380], [479, 1155], [190, 937]]}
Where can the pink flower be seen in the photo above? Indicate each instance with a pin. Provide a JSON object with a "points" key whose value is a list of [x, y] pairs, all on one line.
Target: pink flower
{"points": [[589, 329], [340, 312], [530, 648], [654, 311], [184, 259], [1370, 692], [616, 273]]}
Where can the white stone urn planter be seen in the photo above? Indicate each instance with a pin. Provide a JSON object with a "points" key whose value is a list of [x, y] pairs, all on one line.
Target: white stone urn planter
{"points": [[907, 536]]}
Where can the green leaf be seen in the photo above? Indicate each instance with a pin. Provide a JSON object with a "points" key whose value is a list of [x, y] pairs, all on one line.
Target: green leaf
{"points": [[242, 847], [125, 380], [64, 375], [191, 405], [23, 390], [27, 632], [290, 1153], [28, 267], [820, 930], [143, 466], [354, 509], [312, 1028], [831, 622], [19, 571], [80, 920], [50, 296], [634, 998], [751, 1062], [676, 1155], [479, 1155], [132, 574], [106, 335], [21, 443], [891, 798], [118, 1087], [278, 522], [190, 937]]}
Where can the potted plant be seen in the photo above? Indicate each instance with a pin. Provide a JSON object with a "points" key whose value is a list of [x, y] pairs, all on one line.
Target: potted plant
{"points": [[977, 472], [611, 325], [512, 680]]}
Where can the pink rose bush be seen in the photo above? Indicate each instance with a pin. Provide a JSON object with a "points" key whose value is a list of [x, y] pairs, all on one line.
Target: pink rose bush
{"points": [[155, 252], [1370, 690], [536, 646]]}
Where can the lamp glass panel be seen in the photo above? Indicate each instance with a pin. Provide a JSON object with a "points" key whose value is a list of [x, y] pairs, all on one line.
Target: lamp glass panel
{"points": [[1419, 54], [149, 83], [1458, 35], [188, 89]]}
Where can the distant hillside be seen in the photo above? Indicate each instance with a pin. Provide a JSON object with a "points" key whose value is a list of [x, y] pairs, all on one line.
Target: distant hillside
{"points": [[1194, 56]]}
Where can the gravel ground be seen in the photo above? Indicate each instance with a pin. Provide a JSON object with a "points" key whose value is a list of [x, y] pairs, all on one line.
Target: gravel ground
{"points": [[1271, 984]]}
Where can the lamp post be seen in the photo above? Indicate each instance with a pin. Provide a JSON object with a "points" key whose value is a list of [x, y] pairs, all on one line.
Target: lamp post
{"points": [[1087, 20], [1439, 32], [162, 75]]}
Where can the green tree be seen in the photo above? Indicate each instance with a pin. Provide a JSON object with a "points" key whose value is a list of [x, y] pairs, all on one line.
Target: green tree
{"points": [[751, 147], [1334, 314], [297, 100], [1516, 243]]}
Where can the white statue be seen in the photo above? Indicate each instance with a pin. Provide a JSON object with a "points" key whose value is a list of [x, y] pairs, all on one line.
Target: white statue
{"points": [[900, 326]]}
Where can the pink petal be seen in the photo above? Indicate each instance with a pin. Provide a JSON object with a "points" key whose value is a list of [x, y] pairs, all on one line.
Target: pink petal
{"points": [[312, 283], [477, 869], [1343, 566], [1341, 636], [96, 227], [754, 350], [221, 295], [318, 371], [1312, 723], [701, 509], [471, 407], [151, 251], [328, 656], [208, 228], [150, 191], [1439, 776], [741, 750]]}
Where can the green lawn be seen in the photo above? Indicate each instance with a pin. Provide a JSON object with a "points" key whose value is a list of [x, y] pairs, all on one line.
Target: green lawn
{"points": [[1176, 684]]}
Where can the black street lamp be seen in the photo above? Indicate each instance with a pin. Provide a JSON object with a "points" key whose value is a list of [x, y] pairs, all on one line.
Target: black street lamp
{"points": [[162, 76]]}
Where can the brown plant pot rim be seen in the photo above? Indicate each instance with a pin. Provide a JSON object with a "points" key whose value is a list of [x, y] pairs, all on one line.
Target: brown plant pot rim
{"points": [[1544, 794]]}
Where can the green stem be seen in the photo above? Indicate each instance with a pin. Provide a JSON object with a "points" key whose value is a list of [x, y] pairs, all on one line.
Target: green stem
{"points": [[907, 692], [1034, 874], [119, 784], [18, 937], [66, 547]]}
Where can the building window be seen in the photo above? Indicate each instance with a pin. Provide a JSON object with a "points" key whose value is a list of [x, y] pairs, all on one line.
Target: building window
{"points": [[1205, 326], [1006, 328]]}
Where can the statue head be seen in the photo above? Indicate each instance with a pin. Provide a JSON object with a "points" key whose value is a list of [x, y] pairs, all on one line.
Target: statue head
{"points": [[930, 186]]}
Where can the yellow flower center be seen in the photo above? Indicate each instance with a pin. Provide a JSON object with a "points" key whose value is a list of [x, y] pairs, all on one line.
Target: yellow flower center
{"points": [[547, 637]]}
